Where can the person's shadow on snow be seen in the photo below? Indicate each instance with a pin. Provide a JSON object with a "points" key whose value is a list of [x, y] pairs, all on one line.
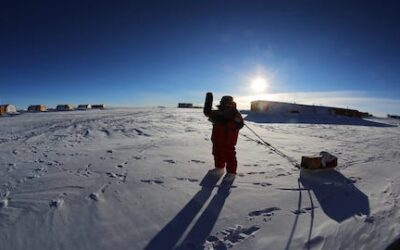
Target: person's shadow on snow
{"points": [[170, 235], [336, 194]]}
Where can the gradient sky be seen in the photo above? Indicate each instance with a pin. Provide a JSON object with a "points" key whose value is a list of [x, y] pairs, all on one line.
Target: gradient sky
{"points": [[142, 53]]}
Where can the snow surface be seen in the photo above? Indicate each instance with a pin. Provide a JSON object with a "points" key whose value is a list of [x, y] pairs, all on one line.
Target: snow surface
{"points": [[138, 179]]}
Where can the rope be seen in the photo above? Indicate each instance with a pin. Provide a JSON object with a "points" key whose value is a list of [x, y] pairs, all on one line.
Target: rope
{"points": [[272, 148]]}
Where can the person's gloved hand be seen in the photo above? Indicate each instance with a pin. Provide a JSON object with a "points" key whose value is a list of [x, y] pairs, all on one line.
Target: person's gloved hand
{"points": [[208, 104]]}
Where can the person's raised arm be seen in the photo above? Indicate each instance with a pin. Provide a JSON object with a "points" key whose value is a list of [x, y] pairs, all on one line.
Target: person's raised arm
{"points": [[208, 104]]}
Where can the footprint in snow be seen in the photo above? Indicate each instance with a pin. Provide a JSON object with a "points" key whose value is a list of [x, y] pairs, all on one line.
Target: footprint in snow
{"points": [[140, 132], [83, 171], [170, 161], [39, 160], [37, 173], [4, 202], [152, 181], [187, 179], [251, 165], [121, 177], [198, 161], [262, 184], [310, 208], [230, 237], [189, 129], [282, 175], [56, 203], [96, 195], [353, 179], [11, 167], [267, 212], [252, 173], [239, 233], [298, 211], [369, 219], [112, 175], [105, 131]]}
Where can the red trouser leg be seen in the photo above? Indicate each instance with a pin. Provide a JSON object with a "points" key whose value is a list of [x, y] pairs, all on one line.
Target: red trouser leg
{"points": [[219, 157], [230, 156]]}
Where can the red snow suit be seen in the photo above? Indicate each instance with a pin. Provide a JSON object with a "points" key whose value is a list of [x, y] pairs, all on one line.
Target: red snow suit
{"points": [[226, 124]]}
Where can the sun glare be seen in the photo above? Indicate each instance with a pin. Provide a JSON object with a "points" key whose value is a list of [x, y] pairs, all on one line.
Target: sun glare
{"points": [[259, 84]]}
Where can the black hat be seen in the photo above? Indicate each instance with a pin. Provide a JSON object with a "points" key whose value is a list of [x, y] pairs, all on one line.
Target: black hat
{"points": [[225, 100]]}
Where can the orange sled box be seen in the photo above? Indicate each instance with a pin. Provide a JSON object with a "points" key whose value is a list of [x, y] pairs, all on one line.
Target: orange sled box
{"points": [[321, 161], [311, 162]]}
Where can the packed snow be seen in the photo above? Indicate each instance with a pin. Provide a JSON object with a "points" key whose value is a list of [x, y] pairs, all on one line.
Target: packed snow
{"points": [[140, 179]]}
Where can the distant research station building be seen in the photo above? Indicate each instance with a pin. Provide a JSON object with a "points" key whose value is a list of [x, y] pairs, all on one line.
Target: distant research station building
{"points": [[64, 107], [7, 109], [185, 105], [278, 108], [84, 106], [98, 106], [37, 108]]}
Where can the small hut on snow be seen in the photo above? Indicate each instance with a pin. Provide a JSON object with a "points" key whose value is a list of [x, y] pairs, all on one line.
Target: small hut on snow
{"points": [[64, 107], [185, 105], [37, 108], [84, 106], [98, 106], [7, 109]]}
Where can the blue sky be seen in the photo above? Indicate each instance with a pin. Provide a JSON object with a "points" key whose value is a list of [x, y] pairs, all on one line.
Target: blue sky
{"points": [[149, 53]]}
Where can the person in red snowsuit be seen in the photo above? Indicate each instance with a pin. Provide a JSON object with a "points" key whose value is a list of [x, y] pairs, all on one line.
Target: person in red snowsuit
{"points": [[227, 121]]}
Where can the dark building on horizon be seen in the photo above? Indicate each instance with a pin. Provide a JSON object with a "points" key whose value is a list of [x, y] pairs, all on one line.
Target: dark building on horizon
{"points": [[185, 105]]}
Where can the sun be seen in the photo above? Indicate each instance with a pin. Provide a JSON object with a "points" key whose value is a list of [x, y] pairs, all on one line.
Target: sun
{"points": [[259, 84]]}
